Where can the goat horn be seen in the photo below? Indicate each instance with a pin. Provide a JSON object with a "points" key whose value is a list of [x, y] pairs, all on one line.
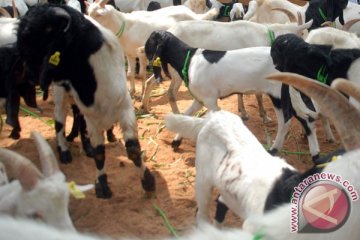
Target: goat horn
{"points": [[290, 15], [327, 24], [332, 103], [299, 18], [47, 157], [347, 87], [102, 3], [349, 24], [60, 12], [4, 12], [20, 168], [16, 15]]}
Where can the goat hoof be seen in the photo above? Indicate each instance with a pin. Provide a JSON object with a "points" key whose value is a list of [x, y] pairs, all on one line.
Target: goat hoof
{"points": [[315, 157], [148, 182], [245, 117], [102, 189], [175, 144], [89, 150], [273, 151], [70, 137], [15, 134], [65, 156], [266, 119], [111, 137]]}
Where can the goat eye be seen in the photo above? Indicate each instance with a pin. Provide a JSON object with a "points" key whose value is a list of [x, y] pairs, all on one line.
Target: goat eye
{"points": [[35, 216], [48, 29]]}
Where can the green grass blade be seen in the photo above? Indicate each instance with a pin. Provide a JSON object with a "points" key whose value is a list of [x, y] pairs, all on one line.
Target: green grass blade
{"points": [[166, 221]]}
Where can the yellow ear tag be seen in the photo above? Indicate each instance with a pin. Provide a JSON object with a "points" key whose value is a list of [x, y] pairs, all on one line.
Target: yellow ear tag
{"points": [[75, 192], [55, 58], [157, 62]]}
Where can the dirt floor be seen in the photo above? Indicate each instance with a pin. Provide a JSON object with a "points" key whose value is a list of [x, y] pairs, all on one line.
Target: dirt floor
{"points": [[128, 212]]}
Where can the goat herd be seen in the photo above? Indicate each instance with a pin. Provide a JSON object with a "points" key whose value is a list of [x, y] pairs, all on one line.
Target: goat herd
{"points": [[305, 58]]}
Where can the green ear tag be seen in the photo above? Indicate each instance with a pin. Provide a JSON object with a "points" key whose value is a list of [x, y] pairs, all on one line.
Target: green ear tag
{"points": [[55, 58]]}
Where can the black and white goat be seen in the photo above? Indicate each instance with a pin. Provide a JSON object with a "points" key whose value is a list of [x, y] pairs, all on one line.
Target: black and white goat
{"points": [[292, 54], [75, 52], [210, 75], [13, 86], [225, 36]]}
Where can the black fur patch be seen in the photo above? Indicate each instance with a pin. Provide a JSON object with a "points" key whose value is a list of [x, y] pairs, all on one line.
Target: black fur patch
{"points": [[330, 8], [213, 56]]}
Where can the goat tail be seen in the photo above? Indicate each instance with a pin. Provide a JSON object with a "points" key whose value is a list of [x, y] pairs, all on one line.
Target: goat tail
{"points": [[210, 15], [187, 126]]}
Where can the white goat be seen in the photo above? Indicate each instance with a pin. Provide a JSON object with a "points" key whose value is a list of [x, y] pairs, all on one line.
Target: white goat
{"points": [[231, 159], [133, 29], [224, 36], [33, 194]]}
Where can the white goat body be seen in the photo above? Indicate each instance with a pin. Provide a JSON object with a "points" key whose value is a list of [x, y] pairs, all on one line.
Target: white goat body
{"points": [[230, 158], [333, 36], [137, 27]]}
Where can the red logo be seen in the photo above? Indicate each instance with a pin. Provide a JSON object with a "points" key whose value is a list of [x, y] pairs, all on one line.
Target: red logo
{"points": [[325, 207]]}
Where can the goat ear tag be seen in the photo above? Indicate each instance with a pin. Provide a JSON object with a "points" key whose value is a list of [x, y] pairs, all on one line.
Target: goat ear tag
{"points": [[75, 191], [157, 62], [55, 58]]}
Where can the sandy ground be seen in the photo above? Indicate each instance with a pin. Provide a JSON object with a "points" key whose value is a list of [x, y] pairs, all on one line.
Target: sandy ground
{"points": [[128, 212]]}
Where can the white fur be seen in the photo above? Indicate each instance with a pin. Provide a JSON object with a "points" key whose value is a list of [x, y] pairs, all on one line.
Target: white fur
{"points": [[8, 30], [138, 27], [231, 159], [3, 176]]}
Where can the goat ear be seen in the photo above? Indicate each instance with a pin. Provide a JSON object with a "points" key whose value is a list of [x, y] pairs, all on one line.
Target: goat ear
{"points": [[102, 3], [20, 168], [63, 15], [47, 157]]}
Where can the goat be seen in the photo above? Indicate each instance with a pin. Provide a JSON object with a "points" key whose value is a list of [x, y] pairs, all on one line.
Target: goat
{"points": [[203, 71], [233, 35], [34, 194], [93, 72], [133, 29], [13, 86], [319, 11], [292, 54]]}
